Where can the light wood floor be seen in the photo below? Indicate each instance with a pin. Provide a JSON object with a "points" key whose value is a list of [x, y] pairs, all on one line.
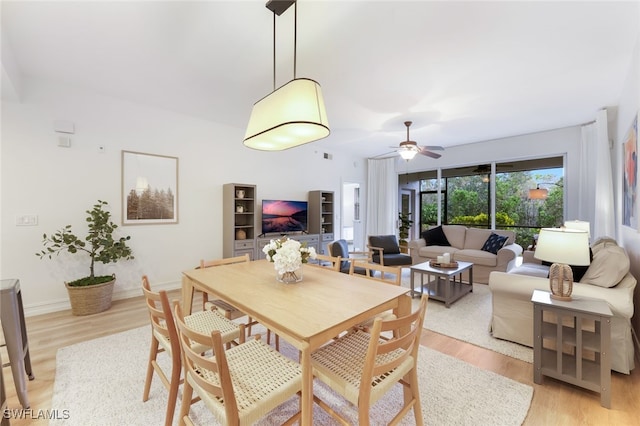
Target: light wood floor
{"points": [[553, 402]]}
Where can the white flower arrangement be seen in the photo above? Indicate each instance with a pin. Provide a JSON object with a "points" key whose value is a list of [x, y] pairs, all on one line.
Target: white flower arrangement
{"points": [[288, 255]]}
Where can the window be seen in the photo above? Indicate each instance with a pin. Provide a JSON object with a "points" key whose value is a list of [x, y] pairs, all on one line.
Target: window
{"points": [[466, 196]]}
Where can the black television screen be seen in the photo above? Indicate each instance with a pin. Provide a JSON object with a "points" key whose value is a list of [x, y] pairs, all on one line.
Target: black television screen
{"points": [[284, 216]]}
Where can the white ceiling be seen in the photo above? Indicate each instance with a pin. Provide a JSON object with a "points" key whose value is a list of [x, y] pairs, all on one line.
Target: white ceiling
{"points": [[461, 71]]}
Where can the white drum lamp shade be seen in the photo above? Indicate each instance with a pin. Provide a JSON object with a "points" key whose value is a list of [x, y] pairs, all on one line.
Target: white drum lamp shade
{"points": [[580, 225], [564, 247], [291, 115], [538, 194]]}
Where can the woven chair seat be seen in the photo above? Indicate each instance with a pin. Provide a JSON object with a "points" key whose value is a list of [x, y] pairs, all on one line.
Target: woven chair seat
{"points": [[203, 322], [340, 365], [262, 379]]}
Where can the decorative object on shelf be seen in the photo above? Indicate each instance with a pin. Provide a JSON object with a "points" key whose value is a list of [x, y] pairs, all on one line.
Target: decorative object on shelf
{"points": [[288, 256], [564, 247], [91, 294], [241, 234], [239, 193], [239, 208], [292, 115]]}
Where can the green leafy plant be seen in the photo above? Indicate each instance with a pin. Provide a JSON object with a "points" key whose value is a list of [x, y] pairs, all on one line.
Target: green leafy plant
{"points": [[404, 225], [99, 244]]}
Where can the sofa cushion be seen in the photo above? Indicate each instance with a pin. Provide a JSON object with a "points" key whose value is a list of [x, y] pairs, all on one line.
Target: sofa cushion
{"points": [[494, 243], [435, 237], [609, 265], [387, 242], [475, 238], [432, 252], [477, 257], [455, 234]]}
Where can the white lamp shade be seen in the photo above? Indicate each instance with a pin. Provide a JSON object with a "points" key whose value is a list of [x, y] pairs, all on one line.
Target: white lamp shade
{"points": [[292, 115], [538, 194], [562, 245], [579, 225], [407, 153]]}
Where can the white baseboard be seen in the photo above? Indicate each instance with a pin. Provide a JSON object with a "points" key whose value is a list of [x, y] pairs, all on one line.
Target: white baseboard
{"points": [[63, 304]]}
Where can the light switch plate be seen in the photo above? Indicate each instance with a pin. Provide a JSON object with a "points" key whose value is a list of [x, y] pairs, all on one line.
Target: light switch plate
{"points": [[27, 220]]}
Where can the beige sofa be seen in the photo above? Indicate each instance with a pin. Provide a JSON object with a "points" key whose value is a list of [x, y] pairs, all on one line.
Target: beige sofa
{"points": [[512, 316], [466, 245]]}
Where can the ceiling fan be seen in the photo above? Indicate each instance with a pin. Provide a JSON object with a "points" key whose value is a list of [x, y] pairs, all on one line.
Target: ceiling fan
{"points": [[409, 149]]}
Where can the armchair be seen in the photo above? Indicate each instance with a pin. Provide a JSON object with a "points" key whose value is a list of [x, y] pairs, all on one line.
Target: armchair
{"points": [[340, 248], [385, 250]]}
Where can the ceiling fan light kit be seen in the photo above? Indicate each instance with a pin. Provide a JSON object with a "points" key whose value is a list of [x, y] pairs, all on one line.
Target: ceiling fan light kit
{"points": [[292, 115], [409, 149]]}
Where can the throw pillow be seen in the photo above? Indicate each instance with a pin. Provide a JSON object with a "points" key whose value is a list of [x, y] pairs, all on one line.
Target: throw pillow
{"points": [[435, 237], [494, 243], [610, 264]]}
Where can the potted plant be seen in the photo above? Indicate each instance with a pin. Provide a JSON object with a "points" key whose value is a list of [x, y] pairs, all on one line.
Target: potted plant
{"points": [[404, 225], [91, 294]]}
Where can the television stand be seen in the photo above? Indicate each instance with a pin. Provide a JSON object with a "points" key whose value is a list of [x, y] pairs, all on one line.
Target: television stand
{"points": [[312, 240]]}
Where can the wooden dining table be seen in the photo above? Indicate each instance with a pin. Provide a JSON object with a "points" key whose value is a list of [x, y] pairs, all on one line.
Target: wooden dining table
{"points": [[306, 314]]}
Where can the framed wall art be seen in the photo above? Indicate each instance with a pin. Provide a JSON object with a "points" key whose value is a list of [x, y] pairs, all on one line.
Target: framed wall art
{"points": [[630, 176], [149, 189]]}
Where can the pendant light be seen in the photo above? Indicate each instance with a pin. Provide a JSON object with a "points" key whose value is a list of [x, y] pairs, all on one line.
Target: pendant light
{"points": [[291, 115]]}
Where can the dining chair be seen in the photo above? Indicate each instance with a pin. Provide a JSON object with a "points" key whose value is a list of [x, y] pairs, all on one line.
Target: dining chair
{"points": [[386, 274], [340, 248], [326, 261], [362, 367], [227, 309], [240, 385], [376, 271], [385, 250], [164, 338]]}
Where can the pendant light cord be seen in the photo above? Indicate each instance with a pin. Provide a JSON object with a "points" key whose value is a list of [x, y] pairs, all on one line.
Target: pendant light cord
{"points": [[274, 51], [295, 36]]}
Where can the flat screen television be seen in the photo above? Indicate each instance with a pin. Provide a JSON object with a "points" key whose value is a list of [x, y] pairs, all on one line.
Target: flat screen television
{"points": [[283, 216]]}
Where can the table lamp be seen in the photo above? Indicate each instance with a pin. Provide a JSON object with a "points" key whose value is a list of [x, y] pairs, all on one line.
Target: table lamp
{"points": [[579, 224], [564, 247]]}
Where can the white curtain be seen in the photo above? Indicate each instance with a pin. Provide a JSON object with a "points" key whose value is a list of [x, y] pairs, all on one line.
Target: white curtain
{"points": [[382, 197], [595, 201]]}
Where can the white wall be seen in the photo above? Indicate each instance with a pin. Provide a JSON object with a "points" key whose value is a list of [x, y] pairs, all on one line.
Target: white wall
{"points": [[60, 184], [627, 110]]}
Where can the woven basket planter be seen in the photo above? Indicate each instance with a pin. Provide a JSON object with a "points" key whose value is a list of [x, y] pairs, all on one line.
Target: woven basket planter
{"points": [[92, 299]]}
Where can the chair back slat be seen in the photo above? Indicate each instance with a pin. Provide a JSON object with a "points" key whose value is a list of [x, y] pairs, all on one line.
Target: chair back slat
{"points": [[225, 261], [376, 271], [406, 344], [326, 261], [195, 362], [160, 313]]}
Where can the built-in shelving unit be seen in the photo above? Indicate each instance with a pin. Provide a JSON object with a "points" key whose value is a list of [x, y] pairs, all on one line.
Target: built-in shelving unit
{"points": [[322, 216], [238, 219]]}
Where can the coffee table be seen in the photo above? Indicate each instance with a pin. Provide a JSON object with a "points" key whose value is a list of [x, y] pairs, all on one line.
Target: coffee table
{"points": [[445, 287]]}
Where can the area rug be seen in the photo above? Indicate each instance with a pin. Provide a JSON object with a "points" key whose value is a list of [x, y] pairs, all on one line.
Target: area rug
{"points": [[100, 382], [468, 320]]}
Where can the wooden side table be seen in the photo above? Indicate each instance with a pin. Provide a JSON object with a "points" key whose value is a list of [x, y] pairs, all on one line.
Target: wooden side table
{"points": [[574, 346]]}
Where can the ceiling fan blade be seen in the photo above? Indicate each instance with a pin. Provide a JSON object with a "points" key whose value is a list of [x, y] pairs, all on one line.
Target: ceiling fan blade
{"points": [[385, 155], [433, 148], [430, 154]]}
